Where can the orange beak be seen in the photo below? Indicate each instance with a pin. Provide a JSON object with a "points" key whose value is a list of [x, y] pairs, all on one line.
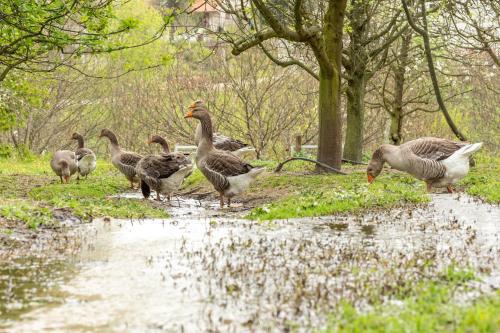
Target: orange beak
{"points": [[370, 178], [66, 179], [189, 114], [192, 106]]}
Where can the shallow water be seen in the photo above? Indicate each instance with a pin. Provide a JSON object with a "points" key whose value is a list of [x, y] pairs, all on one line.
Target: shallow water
{"points": [[200, 272]]}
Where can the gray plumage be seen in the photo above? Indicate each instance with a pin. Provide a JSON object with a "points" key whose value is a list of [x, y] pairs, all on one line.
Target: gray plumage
{"points": [[153, 170], [85, 156], [422, 158], [64, 164], [124, 161], [229, 174]]}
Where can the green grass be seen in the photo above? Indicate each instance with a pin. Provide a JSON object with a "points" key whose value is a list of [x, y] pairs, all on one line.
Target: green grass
{"points": [[30, 190], [483, 180], [430, 307], [316, 195]]}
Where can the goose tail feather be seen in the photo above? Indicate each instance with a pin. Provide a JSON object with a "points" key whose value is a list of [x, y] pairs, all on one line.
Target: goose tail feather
{"points": [[468, 150]]}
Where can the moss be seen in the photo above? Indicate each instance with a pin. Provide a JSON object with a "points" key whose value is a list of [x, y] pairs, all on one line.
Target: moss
{"points": [[430, 307], [30, 190]]}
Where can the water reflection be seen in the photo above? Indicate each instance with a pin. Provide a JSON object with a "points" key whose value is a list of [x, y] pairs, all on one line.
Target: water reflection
{"points": [[196, 272], [28, 283]]}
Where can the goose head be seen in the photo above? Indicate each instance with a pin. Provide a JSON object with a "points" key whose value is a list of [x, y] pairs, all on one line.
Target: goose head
{"points": [[375, 165], [159, 140], [75, 136], [197, 112], [109, 134]]}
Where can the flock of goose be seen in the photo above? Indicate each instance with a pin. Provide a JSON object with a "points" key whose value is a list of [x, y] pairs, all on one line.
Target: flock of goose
{"points": [[218, 158], [438, 162]]}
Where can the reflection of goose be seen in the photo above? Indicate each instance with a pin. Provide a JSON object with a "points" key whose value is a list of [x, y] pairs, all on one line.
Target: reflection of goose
{"points": [[220, 141], [163, 173], [161, 141], [124, 161], [228, 174], [64, 164], [438, 162], [85, 157]]}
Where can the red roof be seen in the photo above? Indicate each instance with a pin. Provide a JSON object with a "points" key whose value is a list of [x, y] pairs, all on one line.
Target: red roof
{"points": [[203, 6]]}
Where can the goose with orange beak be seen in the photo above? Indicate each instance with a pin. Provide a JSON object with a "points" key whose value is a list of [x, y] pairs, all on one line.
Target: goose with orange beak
{"points": [[223, 142], [229, 174], [438, 162], [64, 164]]}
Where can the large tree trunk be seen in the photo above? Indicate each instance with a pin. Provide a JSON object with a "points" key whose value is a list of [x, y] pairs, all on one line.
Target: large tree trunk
{"points": [[399, 82], [330, 119], [330, 122], [353, 148]]}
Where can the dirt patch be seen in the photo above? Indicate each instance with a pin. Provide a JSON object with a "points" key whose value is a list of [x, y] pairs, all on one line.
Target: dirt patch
{"points": [[17, 240]]}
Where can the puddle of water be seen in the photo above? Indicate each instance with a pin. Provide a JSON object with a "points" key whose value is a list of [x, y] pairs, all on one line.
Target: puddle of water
{"points": [[196, 273]]}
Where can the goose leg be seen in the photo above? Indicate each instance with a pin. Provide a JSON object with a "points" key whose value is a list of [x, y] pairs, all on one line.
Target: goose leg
{"points": [[61, 179], [221, 201], [229, 202], [131, 184], [429, 186], [449, 188], [158, 196]]}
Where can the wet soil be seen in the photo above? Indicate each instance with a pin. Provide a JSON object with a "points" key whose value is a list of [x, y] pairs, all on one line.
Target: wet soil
{"points": [[205, 269]]}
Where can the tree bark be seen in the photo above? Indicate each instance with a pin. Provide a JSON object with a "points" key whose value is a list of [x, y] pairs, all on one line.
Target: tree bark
{"points": [[330, 126], [399, 82], [330, 119], [353, 147]]}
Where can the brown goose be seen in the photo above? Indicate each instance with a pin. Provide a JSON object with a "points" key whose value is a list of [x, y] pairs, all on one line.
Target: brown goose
{"points": [[85, 157], [438, 162], [161, 141], [124, 161], [228, 174], [64, 164], [220, 141], [163, 173]]}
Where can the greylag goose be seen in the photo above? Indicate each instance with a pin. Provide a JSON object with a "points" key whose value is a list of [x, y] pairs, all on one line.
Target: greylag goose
{"points": [[64, 164], [438, 162], [228, 174], [163, 173], [124, 161], [161, 141], [220, 141], [85, 157]]}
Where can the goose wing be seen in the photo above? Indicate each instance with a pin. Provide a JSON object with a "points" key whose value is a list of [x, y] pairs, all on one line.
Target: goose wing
{"points": [[223, 142], [226, 163], [128, 161], [162, 166], [433, 148], [81, 152]]}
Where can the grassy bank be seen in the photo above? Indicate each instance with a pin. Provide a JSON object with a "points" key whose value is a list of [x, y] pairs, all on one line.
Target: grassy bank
{"points": [[31, 191], [431, 307], [295, 193], [483, 181]]}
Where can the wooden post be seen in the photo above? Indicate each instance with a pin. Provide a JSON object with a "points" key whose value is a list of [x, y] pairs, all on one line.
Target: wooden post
{"points": [[298, 143]]}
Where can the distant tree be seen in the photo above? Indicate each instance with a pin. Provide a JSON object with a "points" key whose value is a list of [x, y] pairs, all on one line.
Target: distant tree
{"points": [[372, 26], [423, 30]]}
